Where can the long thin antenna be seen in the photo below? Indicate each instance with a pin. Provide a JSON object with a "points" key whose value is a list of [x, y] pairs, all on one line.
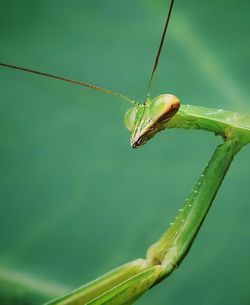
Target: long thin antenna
{"points": [[75, 82], [160, 48]]}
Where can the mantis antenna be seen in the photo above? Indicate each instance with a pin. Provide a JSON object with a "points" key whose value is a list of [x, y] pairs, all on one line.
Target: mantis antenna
{"points": [[160, 48], [75, 82]]}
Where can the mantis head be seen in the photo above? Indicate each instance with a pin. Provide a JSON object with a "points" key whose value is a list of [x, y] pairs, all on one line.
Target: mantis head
{"points": [[145, 120]]}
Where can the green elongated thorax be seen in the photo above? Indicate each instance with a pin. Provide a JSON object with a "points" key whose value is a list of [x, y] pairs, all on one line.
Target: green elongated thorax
{"points": [[218, 121]]}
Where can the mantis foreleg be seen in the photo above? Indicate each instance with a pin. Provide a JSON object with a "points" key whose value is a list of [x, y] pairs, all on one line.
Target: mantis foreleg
{"points": [[125, 284], [172, 247]]}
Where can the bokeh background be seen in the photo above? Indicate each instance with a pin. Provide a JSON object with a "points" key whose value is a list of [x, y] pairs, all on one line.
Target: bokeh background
{"points": [[76, 200]]}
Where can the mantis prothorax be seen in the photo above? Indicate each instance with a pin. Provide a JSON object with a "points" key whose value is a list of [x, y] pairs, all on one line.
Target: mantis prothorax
{"points": [[127, 283]]}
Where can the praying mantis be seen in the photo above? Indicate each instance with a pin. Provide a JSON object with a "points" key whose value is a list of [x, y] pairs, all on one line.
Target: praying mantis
{"points": [[126, 284]]}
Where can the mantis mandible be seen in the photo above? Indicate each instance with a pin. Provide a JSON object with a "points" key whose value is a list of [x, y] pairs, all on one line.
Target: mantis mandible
{"points": [[125, 284]]}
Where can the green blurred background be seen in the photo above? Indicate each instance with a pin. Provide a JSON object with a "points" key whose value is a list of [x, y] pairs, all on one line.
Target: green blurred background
{"points": [[76, 200]]}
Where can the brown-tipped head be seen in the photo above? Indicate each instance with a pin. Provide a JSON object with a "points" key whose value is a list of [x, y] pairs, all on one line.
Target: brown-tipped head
{"points": [[152, 117]]}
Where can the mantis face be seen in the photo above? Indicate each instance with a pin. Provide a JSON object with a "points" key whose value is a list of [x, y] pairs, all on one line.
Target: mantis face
{"points": [[145, 120]]}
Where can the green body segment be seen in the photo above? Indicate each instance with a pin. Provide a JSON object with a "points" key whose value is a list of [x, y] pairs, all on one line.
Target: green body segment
{"points": [[175, 243], [218, 121]]}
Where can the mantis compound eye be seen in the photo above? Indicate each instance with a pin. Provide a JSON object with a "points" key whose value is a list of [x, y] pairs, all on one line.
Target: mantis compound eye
{"points": [[130, 118], [163, 107]]}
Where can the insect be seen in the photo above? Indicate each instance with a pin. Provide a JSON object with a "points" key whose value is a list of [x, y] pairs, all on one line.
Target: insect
{"points": [[124, 285]]}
